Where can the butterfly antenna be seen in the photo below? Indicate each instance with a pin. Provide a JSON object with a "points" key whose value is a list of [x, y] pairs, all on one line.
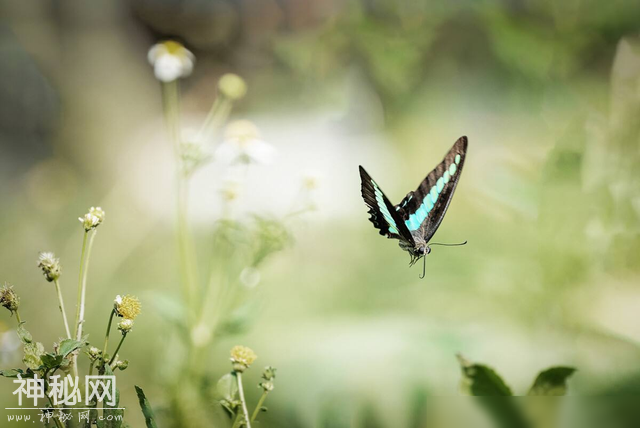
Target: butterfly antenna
{"points": [[449, 245], [424, 266]]}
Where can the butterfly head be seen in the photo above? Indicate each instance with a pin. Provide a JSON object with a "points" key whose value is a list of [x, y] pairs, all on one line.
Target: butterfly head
{"points": [[418, 252]]}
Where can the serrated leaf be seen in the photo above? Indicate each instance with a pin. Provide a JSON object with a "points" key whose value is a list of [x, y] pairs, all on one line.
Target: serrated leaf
{"points": [[227, 387], [482, 380], [67, 346], [24, 334], [51, 361], [147, 411], [552, 382]]}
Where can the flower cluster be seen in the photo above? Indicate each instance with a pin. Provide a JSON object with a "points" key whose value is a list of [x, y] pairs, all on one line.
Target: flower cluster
{"points": [[170, 61], [243, 143], [92, 219], [50, 266], [9, 299], [242, 358], [127, 307], [268, 375]]}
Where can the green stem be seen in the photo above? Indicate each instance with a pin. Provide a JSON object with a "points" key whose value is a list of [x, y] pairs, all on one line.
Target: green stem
{"points": [[61, 306], [46, 388], [18, 317], [236, 421], [217, 115], [84, 286], [171, 108], [79, 299], [106, 336], [115, 354], [259, 405], [82, 291], [242, 399]]}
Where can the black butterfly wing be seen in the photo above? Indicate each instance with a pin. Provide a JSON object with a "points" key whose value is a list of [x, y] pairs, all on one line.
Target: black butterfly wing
{"points": [[384, 216], [424, 208]]}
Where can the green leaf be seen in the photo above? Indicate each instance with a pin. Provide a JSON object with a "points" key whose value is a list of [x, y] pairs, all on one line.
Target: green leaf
{"points": [[67, 346], [552, 381], [492, 394], [51, 361], [478, 379], [23, 334], [12, 373], [227, 387], [146, 408], [32, 352]]}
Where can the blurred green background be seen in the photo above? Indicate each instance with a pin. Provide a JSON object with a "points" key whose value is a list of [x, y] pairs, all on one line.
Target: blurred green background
{"points": [[548, 93]]}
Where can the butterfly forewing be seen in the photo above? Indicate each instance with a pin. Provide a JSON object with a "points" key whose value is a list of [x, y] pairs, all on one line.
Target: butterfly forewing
{"points": [[423, 209], [384, 216]]}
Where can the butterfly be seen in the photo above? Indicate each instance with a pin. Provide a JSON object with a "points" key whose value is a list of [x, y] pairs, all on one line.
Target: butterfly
{"points": [[417, 217]]}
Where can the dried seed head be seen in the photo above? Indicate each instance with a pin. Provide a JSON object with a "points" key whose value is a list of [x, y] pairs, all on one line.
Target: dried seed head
{"points": [[50, 265]]}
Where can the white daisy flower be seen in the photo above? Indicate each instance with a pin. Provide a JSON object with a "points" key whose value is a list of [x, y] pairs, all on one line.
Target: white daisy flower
{"points": [[242, 143], [171, 60]]}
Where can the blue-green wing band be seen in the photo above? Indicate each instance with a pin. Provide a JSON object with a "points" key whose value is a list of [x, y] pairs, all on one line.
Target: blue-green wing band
{"points": [[382, 213], [423, 209]]}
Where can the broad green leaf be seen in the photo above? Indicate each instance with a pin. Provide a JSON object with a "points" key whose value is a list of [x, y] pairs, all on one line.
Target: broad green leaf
{"points": [[51, 361], [227, 387], [493, 394], [67, 346], [24, 334], [147, 411], [552, 381], [32, 352], [12, 373], [478, 379]]}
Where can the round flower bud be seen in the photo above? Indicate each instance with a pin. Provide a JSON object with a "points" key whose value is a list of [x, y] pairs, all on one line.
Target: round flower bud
{"points": [[232, 86], [125, 325]]}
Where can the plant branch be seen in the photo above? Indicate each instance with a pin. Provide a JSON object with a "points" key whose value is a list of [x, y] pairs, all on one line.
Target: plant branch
{"points": [[62, 310], [259, 405], [243, 401], [106, 336], [115, 354]]}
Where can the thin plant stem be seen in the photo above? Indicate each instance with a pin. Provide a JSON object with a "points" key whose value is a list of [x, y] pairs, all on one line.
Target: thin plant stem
{"points": [[61, 306], [106, 336], [79, 299], [259, 405], [46, 387], [115, 354], [84, 286], [236, 421], [242, 399], [82, 289], [18, 317], [171, 108], [215, 118]]}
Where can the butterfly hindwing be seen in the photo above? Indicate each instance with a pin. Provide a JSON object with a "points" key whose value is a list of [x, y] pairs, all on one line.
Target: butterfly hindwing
{"points": [[384, 216], [423, 209]]}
